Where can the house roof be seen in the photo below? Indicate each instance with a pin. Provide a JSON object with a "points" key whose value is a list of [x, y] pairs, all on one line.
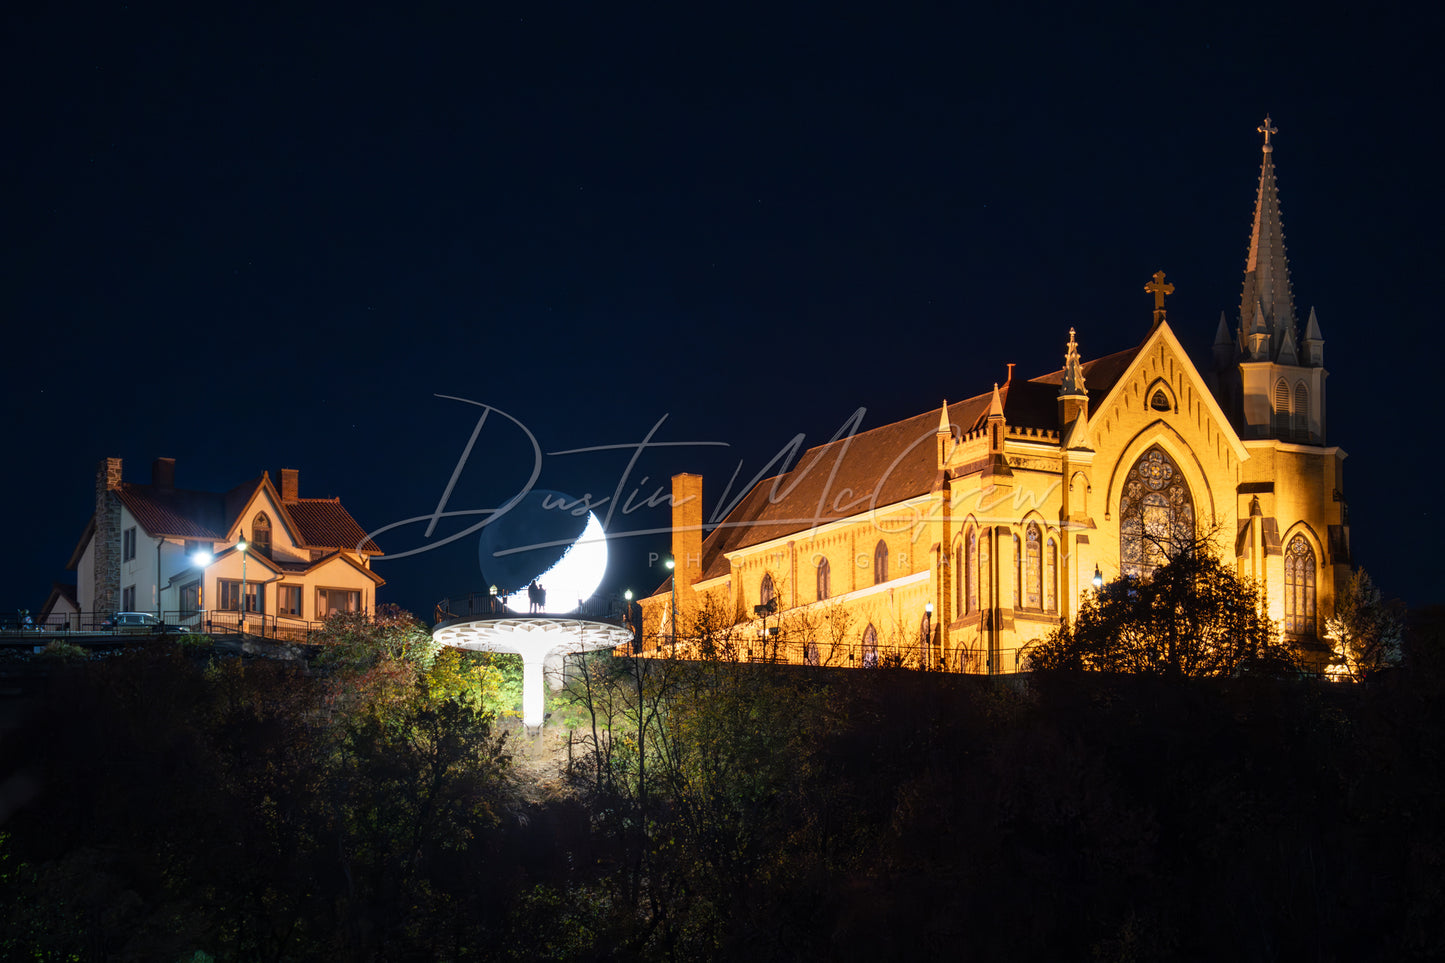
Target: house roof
{"points": [[315, 523], [59, 591], [323, 523], [884, 466]]}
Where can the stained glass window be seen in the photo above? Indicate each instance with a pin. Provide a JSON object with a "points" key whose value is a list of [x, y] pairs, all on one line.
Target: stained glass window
{"points": [[1156, 514], [972, 571], [1051, 576], [985, 586], [1018, 573], [1033, 570], [766, 593], [825, 580], [1299, 587], [870, 647], [880, 562]]}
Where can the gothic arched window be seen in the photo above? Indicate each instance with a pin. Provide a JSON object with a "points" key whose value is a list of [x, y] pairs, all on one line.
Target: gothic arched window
{"points": [[1156, 514], [880, 562], [810, 653], [960, 566], [985, 586], [1301, 412], [971, 572], [1281, 409], [870, 647], [766, 592], [1018, 573], [1299, 587], [1033, 570], [825, 579], [1051, 577], [261, 534]]}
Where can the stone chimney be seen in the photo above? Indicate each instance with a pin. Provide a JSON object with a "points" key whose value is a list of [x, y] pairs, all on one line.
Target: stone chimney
{"points": [[163, 473], [290, 486], [107, 537]]}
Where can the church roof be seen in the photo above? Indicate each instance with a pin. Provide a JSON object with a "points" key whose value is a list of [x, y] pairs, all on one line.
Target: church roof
{"points": [[883, 466]]}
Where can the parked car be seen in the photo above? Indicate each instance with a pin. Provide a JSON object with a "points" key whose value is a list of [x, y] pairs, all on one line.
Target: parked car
{"points": [[140, 623]]}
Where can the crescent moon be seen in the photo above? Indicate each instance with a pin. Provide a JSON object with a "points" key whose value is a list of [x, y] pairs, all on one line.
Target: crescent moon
{"points": [[574, 576]]}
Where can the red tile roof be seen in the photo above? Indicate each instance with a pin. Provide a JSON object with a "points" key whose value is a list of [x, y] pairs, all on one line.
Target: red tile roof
{"points": [[323, 523], [320, 523], [177, 512]]}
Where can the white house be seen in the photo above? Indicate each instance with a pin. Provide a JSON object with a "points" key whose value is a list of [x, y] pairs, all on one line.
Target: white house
{"points": [[194, 556]]}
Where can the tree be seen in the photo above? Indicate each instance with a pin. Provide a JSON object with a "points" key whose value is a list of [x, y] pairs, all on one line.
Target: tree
{"points": [[1365, 631], [1190, 617]]}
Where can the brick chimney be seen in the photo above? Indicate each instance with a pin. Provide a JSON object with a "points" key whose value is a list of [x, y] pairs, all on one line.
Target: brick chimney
{"points": [[106, 556], [163, 473], [290, 486], [686, 536]]}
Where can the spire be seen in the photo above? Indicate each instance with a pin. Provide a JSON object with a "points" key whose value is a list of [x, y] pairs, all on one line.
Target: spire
{"points": [[944, 439], [995, 406], [1314, 343], [1223, 344], [1073, 382], [1073, 399], [1266, 271], [1257, 336], [1288, 350]]}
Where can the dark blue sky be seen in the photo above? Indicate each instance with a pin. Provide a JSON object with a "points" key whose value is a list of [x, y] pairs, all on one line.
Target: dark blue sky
{"points": [[255, 240]]}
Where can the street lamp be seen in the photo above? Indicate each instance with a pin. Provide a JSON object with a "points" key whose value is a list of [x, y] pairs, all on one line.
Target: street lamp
{"points": [[202, 560], [672, 617], [241, 547], [927, 634], [1098, 578]]}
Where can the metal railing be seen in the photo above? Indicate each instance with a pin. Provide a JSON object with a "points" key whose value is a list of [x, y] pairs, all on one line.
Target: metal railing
{"points": [[845, 655], [603, 608], [224, 621]]}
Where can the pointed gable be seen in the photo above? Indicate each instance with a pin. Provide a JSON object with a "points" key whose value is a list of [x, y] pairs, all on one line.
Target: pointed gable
{"points": [[1161, 350]]}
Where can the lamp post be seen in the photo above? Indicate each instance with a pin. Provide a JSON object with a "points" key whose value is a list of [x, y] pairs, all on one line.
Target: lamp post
{"points": [[202, 560], [1098, 579], [672, 616], [241, 547], [923, 657]]}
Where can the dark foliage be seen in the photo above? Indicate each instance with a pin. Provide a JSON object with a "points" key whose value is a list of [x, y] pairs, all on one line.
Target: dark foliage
{"points": [[1191, 617], [243, 810]]}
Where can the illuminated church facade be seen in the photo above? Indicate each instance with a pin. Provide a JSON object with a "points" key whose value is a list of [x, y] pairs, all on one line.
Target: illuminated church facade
{"points": [[960, 536]]}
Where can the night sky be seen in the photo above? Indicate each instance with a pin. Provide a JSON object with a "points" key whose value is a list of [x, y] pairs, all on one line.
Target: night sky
{"points": [[253, 241]]}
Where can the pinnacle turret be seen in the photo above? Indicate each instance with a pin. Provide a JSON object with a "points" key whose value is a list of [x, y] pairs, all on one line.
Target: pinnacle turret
{"points": [[1073, 381]]}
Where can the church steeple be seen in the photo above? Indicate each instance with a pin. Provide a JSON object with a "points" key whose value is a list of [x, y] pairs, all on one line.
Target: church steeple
{"points": [[1267, 297], [1277, 386]]}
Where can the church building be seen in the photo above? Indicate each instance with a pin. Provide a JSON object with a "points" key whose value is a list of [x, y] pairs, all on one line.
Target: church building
{"points": [[958, 537]]}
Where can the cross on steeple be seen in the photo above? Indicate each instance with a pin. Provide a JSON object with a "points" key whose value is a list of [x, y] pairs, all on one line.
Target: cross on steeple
{"points": [[1161, 289], [1266, 129]]}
